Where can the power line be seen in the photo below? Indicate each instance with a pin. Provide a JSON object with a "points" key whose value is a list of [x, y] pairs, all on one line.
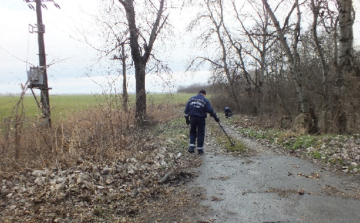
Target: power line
{"points": [[15, 56]]}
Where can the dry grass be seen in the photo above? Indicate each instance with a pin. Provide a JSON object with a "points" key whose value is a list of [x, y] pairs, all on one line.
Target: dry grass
{"points": [[97, 134], [86, 143]]}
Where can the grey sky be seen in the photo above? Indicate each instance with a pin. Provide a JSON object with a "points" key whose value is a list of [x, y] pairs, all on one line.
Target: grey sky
{"points": [[74, 68]]}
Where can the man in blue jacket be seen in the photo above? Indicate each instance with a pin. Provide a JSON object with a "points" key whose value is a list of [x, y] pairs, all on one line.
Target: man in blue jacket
{"points": [[195, 113]]}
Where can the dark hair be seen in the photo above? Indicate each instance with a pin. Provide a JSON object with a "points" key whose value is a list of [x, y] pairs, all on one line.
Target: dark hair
{"points": [[202, 92]]}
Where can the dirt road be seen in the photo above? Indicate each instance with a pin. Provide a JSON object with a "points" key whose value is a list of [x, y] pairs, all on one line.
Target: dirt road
{"points": [[273, 187]]}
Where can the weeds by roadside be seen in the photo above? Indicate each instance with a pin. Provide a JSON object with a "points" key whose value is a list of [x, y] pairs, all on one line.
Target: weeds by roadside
{"points": [[96, 166], [338, 152], [100, 132], [223, 142]]}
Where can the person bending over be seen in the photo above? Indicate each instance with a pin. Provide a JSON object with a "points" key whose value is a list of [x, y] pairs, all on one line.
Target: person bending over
{"points": [[228, 112]]}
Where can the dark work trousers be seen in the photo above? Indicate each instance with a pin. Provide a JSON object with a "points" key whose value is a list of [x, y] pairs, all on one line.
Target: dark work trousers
{"points": [[197, 129]]}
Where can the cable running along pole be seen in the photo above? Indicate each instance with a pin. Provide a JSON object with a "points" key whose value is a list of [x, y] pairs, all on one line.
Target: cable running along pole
{"points": [[45, 102]]}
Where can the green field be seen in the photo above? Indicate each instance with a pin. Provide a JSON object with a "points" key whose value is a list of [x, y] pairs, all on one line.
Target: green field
{"points": [[62, 105]]}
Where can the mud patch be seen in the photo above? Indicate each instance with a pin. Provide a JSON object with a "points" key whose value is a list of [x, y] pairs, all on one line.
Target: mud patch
{"points": [[314, 176], [333, 191], [182, 177], [280, 192], [214, 198], [276, 222], [283, 192], [247, 161], [220, 178], [179, 205]]}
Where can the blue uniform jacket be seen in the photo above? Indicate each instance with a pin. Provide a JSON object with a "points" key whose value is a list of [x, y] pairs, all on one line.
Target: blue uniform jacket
{"points": [[199, 106]]}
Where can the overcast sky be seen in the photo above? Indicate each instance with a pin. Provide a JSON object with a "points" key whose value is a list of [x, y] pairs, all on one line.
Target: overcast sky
{"points": [[74, 66], [73, 63]]}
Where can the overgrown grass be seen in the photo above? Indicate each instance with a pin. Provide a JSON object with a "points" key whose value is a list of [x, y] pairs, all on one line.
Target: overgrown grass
{"points": [[86, 126], [175, 132], [229, 144], [236, 147], [7, 104], [324, 148], [316, 155], [102, 136], [289, 140]]}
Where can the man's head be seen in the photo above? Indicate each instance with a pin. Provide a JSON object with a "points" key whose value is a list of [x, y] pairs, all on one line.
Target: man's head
{"points": [[203, 92]]}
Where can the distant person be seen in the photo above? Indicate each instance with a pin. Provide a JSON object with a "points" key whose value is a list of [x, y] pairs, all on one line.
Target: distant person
{"points": [[195, 113], [228, 112]]}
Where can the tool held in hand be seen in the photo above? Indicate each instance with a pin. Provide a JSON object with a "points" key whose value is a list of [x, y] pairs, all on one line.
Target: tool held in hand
{"points": [[231, 142]]}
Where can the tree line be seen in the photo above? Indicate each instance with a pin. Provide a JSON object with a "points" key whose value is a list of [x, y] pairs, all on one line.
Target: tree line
{"points": [[193, 88], [270, 58], [284, 59]]}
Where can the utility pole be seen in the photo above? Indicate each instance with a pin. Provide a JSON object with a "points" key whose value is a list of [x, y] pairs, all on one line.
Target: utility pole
{"points": [[38, 75], [123, 59]]}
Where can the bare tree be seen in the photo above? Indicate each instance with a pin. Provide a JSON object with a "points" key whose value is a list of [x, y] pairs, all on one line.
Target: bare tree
{"points": [[114, 35], [316, 6], [214, 14], [260, 39], [293, 55], [297, 66], [346, 56], [141, 53]]}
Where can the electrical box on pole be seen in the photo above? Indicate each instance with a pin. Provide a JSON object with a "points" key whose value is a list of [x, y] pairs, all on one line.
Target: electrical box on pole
{"points": [[36, 77]]}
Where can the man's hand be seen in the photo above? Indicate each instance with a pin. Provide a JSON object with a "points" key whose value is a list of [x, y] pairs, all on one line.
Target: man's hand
{"points": [[187, 120], [216, 118]]}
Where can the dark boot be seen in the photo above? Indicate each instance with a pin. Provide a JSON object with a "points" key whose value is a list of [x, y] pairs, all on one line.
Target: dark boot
{"points": [[191, 149]]}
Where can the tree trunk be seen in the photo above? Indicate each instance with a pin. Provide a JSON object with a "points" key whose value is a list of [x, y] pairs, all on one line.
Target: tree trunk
{"points": [[140, 93], [346, 21], [336, 49], [325, 70], [125, 93], [346, 58]]}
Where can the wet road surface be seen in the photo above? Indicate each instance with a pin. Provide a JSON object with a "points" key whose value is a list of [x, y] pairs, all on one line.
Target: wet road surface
{"points": [[269, 187]]}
